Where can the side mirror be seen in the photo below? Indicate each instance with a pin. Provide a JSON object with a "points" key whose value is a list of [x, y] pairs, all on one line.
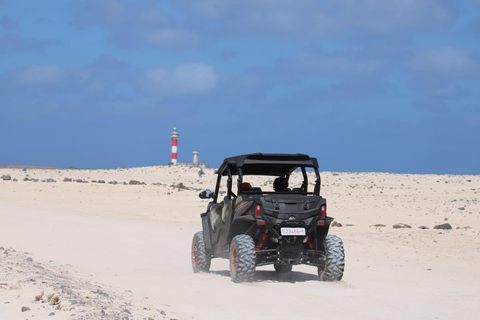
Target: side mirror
{"points": [[207, 194]]}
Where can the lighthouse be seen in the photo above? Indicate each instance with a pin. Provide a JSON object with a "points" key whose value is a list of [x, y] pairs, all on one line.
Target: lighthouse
{"points": [[174, 135]]}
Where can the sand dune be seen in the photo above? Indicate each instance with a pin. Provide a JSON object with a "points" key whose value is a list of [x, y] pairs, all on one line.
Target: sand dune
{"points": [[132, 242]]}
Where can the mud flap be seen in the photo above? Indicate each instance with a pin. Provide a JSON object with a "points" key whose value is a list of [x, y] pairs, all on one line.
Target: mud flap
{"points": [[206, 232]]}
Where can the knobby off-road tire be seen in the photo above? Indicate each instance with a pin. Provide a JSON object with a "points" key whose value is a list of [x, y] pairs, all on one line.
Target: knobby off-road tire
{"points": [[200, 258], [282, 268], [335, 259], [242, 258]]}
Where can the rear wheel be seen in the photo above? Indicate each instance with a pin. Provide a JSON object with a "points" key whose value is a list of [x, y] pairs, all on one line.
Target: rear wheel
{"points": [[242, 258], [282, 268], [335, 259], [200, 258]]}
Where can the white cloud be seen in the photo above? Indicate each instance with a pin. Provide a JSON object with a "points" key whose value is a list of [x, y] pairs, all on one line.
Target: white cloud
{"points": [[170, 38], [107, 12], [335, 64], [40, 75], [446, 61], [135, 24], [379, 16], [186, 79], [432, 106], [475, 2], [314, 18], [435, 86], [145, 23], [8, 24]]}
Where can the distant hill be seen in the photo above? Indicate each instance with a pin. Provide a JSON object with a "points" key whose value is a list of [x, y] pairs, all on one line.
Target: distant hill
{"points": [[28, 167]]}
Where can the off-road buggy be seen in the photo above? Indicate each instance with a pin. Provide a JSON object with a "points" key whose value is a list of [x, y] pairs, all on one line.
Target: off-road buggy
{"points": [[281, 226]]}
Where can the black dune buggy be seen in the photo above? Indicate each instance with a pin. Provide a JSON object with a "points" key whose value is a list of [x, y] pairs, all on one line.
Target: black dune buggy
{"points": [[282, 225]]}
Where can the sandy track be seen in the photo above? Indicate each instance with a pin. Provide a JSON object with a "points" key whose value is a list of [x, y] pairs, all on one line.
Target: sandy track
{"points": [[153, 261], [390, 273]]}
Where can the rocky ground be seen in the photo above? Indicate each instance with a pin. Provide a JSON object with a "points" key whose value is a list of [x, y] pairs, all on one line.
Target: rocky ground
{"points": [[33, 290]]}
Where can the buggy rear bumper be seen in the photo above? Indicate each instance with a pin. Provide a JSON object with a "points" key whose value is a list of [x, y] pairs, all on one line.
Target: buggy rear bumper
{"points": [[271, 256]]}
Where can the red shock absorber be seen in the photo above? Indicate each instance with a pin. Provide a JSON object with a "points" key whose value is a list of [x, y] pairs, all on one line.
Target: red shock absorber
{"points": [[310, 243], [261, 241]]}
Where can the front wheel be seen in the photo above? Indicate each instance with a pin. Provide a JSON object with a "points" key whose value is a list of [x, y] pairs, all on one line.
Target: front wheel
{"points": [[335, 259], [200, 258], [242, 258]]}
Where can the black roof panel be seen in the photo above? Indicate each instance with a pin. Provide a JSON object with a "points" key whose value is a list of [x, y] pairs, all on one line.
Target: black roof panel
{"points": [[275, 164]]}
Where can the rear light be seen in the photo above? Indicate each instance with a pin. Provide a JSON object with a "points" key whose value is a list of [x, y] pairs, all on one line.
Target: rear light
{"points": [[257, 215], [324, 211], [257, 211]]}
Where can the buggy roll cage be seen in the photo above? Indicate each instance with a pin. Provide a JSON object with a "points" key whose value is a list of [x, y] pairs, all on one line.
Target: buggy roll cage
{"points": [[268, 164]]}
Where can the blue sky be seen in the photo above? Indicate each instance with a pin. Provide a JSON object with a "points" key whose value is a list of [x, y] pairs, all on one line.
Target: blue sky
{"points": [[375, 85]]}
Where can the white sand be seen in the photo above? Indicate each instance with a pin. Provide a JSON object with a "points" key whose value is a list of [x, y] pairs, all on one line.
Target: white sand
{"points": [[127, 247]]}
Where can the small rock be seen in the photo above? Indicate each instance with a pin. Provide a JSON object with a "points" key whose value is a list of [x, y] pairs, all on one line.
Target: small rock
{"points": [[6, 177], [461, 208], [445, 226], [422, 227], [50, 180], [79, 180], [336, 224], [29, 259], [25, 309], [15, 180], [378, 225], [67, 179], [113, 182], [101, 181], [134, 182], [401, 226]]}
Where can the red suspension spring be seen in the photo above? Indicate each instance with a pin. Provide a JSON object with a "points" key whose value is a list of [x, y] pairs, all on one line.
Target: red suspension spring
{"points": [[261, 242], [310, 243]]}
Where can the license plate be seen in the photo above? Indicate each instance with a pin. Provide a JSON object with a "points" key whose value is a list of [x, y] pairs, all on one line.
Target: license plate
{"points": [[292, 231]]}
